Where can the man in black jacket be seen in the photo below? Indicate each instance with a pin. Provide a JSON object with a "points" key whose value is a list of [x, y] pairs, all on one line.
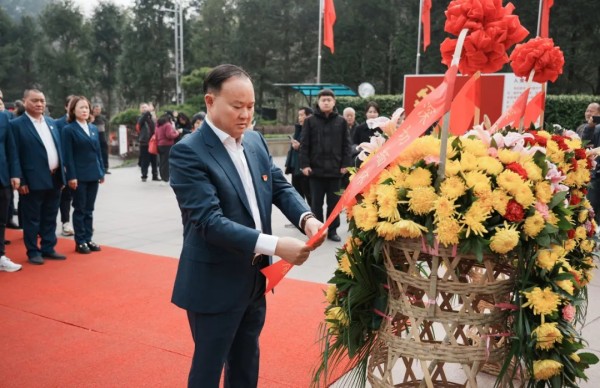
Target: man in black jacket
{"points": [[325, 154], [145, 127]]}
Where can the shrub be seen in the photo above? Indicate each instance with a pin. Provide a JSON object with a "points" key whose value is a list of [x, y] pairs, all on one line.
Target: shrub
{"points": [[567, 110]]}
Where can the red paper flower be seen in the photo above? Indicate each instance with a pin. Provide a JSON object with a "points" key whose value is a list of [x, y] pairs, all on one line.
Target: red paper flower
{"points": [[538, 54], [514, 211], [492, 30]]}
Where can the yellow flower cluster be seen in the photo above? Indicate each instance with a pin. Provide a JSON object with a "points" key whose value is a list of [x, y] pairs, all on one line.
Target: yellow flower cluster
{"points": [[546, 335], [542, 302], [546, 369]]}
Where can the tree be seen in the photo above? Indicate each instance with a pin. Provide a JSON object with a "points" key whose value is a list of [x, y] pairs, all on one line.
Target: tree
{"points": [[107, 25], [146, 67], [61, 58]]}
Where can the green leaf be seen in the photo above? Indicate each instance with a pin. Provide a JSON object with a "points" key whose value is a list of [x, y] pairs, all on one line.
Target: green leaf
{"points": [[588, 358], [557, 198]]}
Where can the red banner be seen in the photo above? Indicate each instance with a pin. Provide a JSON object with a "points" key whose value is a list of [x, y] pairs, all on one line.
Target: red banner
{"points": [[425, 114], [464, 105], [513, 115], [534, 109], [545, 18], [328, 22], [426, 20]]}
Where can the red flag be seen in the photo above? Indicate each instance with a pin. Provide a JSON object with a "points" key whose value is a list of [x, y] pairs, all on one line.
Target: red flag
{"points": [[463, 106], [545, 19], [328, 22], [534, 109], [426, 20], [514, 114]]}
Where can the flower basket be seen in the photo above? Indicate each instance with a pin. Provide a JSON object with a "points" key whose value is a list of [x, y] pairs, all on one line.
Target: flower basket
{"points": [[445, 311]]}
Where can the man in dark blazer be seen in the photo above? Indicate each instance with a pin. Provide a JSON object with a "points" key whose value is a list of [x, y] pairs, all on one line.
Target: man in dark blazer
{"points": [[42, 176], [226, 183], [9, 181]]}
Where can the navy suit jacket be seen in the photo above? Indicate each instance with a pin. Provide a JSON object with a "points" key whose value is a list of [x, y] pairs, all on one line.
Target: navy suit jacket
{"points": [[9, 162], [83, 160], [215, 272], [61, 123], [32, 154]]}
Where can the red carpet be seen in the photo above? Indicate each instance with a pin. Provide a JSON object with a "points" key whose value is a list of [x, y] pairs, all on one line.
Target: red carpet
{"points": [[105, 320]]}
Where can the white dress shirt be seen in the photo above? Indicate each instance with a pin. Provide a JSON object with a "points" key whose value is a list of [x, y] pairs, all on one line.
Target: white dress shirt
{"points": [[42, 129], [266, 243], [85, 126]]}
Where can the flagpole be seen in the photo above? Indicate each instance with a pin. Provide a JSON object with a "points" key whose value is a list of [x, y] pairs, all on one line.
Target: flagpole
{"points": [[319, 43], [419, 36], [539, 24]]}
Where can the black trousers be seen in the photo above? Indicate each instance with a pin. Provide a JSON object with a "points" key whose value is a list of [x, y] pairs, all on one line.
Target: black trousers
{"points": [[103, 149], [163, 162], [302, 186], [321, 188], [84, 199], [66, 197], [4, 199], [228, 340], [147, 159]]}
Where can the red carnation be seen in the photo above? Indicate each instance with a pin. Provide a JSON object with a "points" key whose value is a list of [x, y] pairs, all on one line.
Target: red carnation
{"points": [[538, 54], [514, 211], [561, 142], [584, 191], [541, 140], [580, 153], [571, 233], [574, 200], [574, 164], [516, 167]]}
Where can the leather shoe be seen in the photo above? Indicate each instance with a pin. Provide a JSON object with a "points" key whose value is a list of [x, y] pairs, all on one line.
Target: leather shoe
{"points": [[333, 237], [93, 246], [54, 256], [37, 260], [82, 248]]}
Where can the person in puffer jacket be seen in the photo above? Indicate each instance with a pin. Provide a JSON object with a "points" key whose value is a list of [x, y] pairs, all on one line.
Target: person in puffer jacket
{"points": [[165, 138]]}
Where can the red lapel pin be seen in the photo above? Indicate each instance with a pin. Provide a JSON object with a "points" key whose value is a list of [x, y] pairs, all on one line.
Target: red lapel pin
{"points": [[265, 178]]}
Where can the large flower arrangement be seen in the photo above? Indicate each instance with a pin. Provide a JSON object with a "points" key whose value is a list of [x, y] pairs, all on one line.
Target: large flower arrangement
{"points": [[519, 196]]}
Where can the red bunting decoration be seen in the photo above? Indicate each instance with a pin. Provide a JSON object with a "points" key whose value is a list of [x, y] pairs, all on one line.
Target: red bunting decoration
{"points": [[426, 20], [538, 54]]}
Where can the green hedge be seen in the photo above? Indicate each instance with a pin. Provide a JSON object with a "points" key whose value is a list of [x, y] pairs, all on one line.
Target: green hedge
{"points": [[567, 110]]}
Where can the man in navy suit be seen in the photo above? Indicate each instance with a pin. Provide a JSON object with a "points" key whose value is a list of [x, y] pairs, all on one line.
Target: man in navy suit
{"points": [[226, 183], [9, 181], [42, 176]]}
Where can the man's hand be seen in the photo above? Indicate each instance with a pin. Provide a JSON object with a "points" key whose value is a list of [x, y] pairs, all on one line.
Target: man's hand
{"points": [[307, 171], [295, 144], [311, 228], [343, 170], [15, 183], [73, 184], [292, 250], [24, 190]]}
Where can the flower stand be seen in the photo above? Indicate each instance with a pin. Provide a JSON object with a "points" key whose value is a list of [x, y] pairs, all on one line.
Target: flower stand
{"points": [[446, 312]]}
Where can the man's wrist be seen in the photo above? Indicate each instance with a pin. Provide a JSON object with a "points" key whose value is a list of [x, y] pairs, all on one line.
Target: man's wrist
{"points": [[304, 219]]}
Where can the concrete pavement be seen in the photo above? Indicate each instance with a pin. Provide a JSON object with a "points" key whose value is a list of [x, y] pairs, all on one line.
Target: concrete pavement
{"points": [[144, 217]]}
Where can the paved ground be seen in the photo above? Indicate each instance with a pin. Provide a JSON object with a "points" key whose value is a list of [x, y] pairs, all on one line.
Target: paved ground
{"points": [[144, 217]]}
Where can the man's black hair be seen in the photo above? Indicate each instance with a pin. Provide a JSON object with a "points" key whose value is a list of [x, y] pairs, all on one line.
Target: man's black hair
{"points": [[325, 92], [307, 111], [214, 80]]}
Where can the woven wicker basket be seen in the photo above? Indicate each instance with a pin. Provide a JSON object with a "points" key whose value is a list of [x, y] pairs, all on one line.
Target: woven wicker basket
{"points": [[442, 310]]}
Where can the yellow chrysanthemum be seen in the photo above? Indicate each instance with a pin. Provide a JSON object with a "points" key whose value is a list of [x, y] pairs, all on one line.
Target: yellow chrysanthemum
{"points": [[534, 224], [478, 181], [500, 200], [573, 143], [387, 199], [453, 187], [543, 192], [547, 335], [331, 293], [387, 230], [534, 172], [419, 149], [485, 199], [554, 153], [567, 286], [583, 215], [580, 233], [452, 167], [474, 218], [365, 216], [524, 196], [384, 176], [489, 165], [338, 315], [552, 219], [559, 250], [421, 200], [419, 177], [345, 266], [474, 146], [585, 245], [509, 180], [545, 134], [468, 162], [370, 195], [505, 239], [409, 229], [546, 259], [546, 369], [448, 231], [507, 156], [444, 208], [398, 175], [542, 302]]}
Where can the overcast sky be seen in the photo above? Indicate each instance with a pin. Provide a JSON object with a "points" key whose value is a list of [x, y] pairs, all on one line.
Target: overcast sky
{"points": [[87, 6]]}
